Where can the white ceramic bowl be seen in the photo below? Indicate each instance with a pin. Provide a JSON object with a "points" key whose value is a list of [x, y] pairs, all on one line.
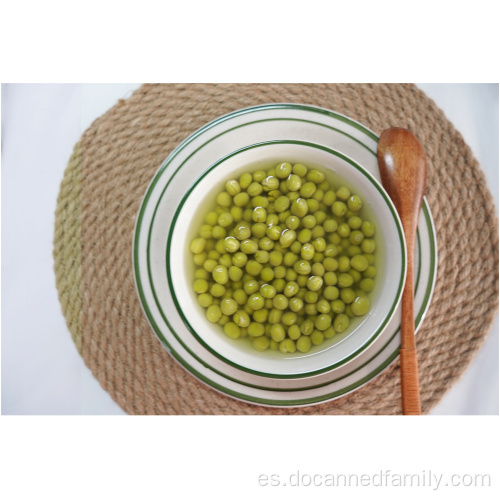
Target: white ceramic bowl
{"points": [[391, 265]]}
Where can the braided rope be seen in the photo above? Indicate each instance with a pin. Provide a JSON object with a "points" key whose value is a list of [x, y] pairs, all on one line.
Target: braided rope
{"points": [[120, 153]]}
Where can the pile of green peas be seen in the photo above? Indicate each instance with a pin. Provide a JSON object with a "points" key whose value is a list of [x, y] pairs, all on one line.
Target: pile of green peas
{"points": [[285, 259]]}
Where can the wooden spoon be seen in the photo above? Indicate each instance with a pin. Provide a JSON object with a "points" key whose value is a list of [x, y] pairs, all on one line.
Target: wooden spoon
{"points": [[403, 169]]}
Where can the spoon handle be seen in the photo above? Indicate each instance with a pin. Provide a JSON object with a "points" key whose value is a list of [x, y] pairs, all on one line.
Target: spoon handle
{"points": [[410, 391]]}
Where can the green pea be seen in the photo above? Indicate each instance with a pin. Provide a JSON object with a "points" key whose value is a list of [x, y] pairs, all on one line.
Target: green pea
{"points": [[288, 236], [233, 187], [353, 250], [330, 225], [302, 267], [242, 231], [270, 183], [228, 306], [283, 216], [295, 304], [311, 297], [329, 198], [344, 230], [255, 301], [354, 222], [293, 182], [291, 275], [200, 286], [255, 189], [289, 318], [272, 220], [339, 208], [317, 337], [211, 218], [314, 283], [241, 199], [277, 332], [293, 332], [337, 306], [356, 237], [275, 316], [309, 221], [275, 258], [266, 244], [260, 316], [201, 274], [345, 280], [341, 323], [299, 207], [280, 302], [281, 204], [225, 260], [366, 285], [368, 245], [261, 343], [344, 264], [343, 193], [331, 293], [198, 245], [347, 295], [304, 236], [287, 345], [219, 232], [368, 228], [273, 232], [224, 199], [355, 203], [251, 286], [241, 318], [262, 256], [220, 275], [239, 259], [329, 332], [323, 321], [267, 274], [253, 268], [291, 289], [249, 247], [217, 290], [370, 272], [267, 291], [235, 273], [292, 222], [312, 205], [360, 306], [232, 330], [259, 214], [231, 244], [303, 344], [300, 170], [316, 176], [323, 306], [245, 180], [307, 190], [289, 259], [205, 300], [359, 263], [296, 246], [307, 251], [283, 170], [213, 313], [319, 244], [279, 272]]}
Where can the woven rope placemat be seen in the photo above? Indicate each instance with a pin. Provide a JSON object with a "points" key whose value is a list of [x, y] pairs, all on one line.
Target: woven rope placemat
{"points": [[113, 164]]}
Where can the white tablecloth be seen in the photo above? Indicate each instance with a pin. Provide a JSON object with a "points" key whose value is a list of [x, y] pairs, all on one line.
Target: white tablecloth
{"points": [[42, 373]]}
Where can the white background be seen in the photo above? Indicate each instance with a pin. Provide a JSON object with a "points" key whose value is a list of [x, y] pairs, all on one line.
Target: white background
{"points": [[42, 372]]}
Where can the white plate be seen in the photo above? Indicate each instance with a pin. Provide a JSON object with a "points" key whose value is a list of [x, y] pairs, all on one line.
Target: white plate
{"points": [[172, 181]]}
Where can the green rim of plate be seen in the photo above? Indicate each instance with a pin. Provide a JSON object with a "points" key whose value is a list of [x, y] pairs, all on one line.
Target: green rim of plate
{"points": [[348, 160], [203, 378]]}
